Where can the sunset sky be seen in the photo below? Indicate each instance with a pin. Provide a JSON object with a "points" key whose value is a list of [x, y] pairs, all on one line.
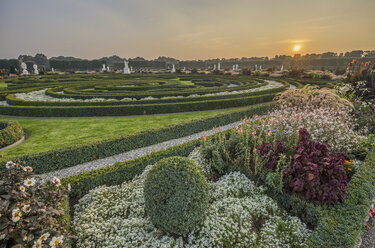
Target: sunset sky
{"points": [[184, 29]]}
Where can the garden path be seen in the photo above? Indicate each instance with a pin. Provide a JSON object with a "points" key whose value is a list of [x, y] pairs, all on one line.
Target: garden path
{"points": [[140, 152]]}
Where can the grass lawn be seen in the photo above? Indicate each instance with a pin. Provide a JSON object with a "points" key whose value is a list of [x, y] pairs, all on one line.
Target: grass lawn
{"points": [[50, 133]]}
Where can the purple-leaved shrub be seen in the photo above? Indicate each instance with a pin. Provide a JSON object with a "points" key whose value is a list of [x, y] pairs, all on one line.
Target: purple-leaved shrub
{"points": [[315, 174]]}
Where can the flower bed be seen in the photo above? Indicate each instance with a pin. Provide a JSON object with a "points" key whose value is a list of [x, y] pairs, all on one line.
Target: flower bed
{"points": [[32, 212], [250, 218], [308, 178], [333, 226]]}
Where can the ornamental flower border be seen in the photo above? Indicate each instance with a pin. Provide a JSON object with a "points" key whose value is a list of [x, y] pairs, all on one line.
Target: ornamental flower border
{"points": [[335, 226]]}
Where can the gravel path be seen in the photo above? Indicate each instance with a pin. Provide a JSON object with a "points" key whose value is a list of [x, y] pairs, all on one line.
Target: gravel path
{"points": [[96, 164], [14, 144], [368, 236]]}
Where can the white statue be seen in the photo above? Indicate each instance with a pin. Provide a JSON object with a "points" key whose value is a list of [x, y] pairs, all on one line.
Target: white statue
{"points": [[126, 68], [184, 68], [260, 67], [236, 67], [218, 66], [131, 68], [282, 68], [24, 69], [36, 72], [214, 67], [173, 69], [53, 70], [107, 68], [256, 67], [104, 68]]}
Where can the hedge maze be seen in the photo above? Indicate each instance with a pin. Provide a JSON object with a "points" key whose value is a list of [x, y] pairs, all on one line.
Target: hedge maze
{"points": [[122, 95]]}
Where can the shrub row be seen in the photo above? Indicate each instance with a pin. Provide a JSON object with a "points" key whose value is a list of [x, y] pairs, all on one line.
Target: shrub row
{"points": [[122, 171], [126, 110], [10, 132], [77, 94], [70, 156], [12, 100]]}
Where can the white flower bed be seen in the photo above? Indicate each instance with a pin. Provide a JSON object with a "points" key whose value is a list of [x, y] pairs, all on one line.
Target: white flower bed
{"points": [[240, 215], [40, 95]]}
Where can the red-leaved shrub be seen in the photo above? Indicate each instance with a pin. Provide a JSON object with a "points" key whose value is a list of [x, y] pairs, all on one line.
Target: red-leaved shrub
{"points": [[272, 152], [315, 174]]}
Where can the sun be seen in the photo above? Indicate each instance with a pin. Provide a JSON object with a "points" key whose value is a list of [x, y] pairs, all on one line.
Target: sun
{"points": [[296, 48]]}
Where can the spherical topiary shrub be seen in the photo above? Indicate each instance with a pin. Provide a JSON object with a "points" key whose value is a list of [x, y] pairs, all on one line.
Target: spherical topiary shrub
{"points": [[176, 195]]}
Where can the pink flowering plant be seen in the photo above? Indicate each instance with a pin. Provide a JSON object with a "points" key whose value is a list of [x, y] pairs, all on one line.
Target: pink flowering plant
{"points": [[31, 212], [326, 116]]}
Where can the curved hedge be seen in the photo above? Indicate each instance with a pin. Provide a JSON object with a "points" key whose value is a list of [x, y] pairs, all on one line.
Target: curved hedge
{"points": [[148, 93], [10, 132], [126, 110], [69, 156], [12, 100]]}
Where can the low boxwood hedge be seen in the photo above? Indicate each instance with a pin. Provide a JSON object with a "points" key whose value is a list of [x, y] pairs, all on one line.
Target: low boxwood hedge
{"points": [[126, 110], [12, 100], [70, 156], [10, 132], [122, 171]]}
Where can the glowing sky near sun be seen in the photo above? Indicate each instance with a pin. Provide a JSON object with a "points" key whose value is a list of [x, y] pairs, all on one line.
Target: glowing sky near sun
{"points": [[184, 29]]}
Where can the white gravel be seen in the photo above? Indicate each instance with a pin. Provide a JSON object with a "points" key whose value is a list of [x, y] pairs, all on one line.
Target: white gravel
{"points": [[99, 163]]}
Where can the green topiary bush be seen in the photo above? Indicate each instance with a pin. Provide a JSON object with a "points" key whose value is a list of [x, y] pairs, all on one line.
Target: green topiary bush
{"points": [[176, 195]]}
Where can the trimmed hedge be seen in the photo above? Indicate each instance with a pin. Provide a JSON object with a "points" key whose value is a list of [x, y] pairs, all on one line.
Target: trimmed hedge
{"points": [[122, 171], [126, 110], [10, 132], [69, 156], [12, 100]]}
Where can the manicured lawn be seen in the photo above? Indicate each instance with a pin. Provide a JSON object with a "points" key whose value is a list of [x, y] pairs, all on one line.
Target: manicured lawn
{"points": [[50, 133]]}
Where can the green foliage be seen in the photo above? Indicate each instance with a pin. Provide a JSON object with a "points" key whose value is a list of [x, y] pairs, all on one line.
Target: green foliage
{"points": [[337, 226], [12, 100], [122, 171], [72, 155], [126, 110], [12, 70], [239, 148], [10, 132], [176, 195], [341, 225], [30, 212], [275, 179]]}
